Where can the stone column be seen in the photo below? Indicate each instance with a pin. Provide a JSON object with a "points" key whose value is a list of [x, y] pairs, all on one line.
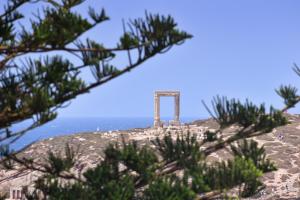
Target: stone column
{"points": [[156, 110], [177, 108], [11, 193]]}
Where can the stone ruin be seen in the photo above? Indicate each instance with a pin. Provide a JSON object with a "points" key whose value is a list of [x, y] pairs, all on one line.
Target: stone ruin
{"points": [[16, 193], [19, 192], [176, 94]]}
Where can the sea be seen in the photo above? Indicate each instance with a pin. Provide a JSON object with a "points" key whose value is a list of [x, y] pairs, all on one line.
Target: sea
{"points": [[70, 125]]}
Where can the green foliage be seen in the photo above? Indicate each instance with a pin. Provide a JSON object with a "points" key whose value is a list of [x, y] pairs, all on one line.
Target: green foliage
{"points": [[228, 112], [210, 136], [135, 171], [296, 69], [98, 53], [156, 31], [200, 181], [289, 95], [44, 84], [245, 171], [56, 29], [250, 150], [226, 175], [104, 182], [168, 188], [267, 122], [58, 163], [48, 185], [184, 150], [128, 41], [4, 151], [141, 160]]}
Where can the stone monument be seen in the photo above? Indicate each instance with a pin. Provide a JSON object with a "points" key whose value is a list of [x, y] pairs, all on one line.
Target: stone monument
{"points": [[157, 95], [16, 193]]}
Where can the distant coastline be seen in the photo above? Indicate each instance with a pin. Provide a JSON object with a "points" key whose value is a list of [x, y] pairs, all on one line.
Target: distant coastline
{"points": [[71, 125]]}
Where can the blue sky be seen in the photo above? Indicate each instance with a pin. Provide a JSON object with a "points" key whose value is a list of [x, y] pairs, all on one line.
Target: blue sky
{"points": [[242, 49]]}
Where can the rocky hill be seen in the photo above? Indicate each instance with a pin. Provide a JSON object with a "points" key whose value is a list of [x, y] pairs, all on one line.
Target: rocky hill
{"points": [[282, 146]]}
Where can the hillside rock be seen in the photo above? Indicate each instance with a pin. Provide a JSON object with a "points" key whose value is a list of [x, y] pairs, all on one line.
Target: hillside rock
{"points": [[282, 146]]}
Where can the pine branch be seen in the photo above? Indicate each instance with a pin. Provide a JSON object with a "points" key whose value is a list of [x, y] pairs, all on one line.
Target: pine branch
{"points": [[43, 49], [50, 91], [12, 8], [45, 167]]}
